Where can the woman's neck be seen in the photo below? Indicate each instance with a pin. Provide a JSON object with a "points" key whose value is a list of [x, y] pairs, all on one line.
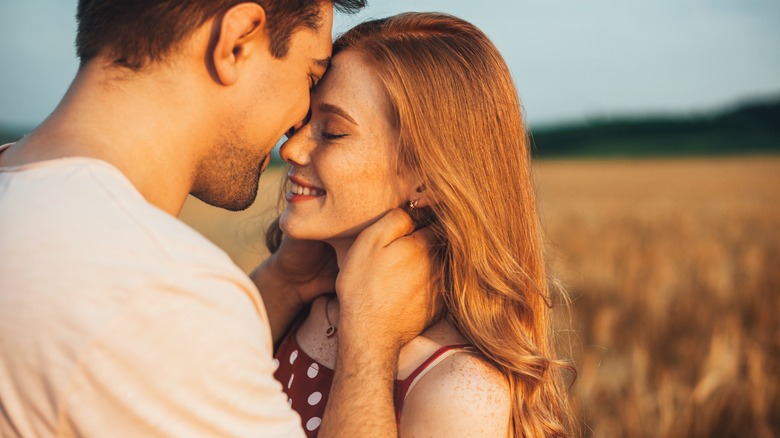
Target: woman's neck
{"points": [[341, 246]]}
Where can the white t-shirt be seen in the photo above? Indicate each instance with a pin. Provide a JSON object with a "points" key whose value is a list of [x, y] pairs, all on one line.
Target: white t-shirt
{"points": [[116, 319]]}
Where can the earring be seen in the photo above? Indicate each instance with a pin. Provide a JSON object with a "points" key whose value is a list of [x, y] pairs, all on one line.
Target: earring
{"points": [[413, 204]]}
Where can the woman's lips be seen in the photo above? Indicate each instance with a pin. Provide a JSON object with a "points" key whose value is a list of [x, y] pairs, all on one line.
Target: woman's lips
{"points": [[300, 190]]}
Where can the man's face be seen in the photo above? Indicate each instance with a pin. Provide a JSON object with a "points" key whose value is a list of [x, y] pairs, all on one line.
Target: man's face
{"points": [[273, 97]]}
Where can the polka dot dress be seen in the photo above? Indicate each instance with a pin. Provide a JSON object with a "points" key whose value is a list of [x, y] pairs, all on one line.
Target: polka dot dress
{"points": [[306, 383]]}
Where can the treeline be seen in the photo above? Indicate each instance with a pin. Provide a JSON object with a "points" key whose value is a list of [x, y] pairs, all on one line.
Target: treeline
{"points": [[750, 128]]}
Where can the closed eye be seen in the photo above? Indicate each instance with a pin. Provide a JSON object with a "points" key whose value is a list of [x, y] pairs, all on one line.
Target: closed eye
{"points": [[313, 81], [331, 135]]}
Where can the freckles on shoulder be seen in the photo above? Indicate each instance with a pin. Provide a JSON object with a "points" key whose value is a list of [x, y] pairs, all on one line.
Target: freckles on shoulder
{"points": [[463, 396]]}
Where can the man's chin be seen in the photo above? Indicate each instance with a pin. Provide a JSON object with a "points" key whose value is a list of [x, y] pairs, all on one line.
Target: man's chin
{"points": [[231, 187], [233, 201], [236, 207]]}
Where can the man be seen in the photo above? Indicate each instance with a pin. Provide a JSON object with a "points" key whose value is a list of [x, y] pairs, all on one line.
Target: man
{"points": [[117, 319]]}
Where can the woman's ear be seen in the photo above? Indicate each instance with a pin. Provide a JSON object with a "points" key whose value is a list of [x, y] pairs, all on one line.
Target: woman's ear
{"points": [[240, 32], [419, 206], [421, 196]]}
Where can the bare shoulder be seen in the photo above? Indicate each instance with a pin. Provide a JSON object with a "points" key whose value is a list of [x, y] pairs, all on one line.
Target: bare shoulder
{"points": [[462, 396]]}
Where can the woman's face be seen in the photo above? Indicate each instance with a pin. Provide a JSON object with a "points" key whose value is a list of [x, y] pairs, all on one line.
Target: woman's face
{"points": [[344, 174]]}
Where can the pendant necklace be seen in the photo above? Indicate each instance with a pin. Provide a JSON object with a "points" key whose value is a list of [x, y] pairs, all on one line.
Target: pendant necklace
{"points": [[331, 330]]}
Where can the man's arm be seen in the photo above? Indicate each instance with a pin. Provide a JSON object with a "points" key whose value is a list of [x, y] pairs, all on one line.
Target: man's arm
{"points": [[190, 359], [384, 303]]}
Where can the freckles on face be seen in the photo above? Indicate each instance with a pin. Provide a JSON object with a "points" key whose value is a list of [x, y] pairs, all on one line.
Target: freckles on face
{"points": [[347, 154]]}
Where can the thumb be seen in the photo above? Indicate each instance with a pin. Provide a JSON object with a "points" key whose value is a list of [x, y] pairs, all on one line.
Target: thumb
{"points": [[393, 225]]}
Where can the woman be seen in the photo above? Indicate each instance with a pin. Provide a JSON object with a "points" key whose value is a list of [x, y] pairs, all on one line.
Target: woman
{"points": [[420, 110]]}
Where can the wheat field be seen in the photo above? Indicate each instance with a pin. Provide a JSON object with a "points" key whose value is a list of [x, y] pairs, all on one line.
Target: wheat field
{"points": [[673, 271]]}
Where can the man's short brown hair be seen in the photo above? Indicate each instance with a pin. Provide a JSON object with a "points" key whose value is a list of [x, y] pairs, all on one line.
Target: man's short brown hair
{"points": [[135, 32]]}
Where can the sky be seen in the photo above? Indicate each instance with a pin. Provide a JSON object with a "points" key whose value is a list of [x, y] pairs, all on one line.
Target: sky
{"points": [[572, 60]]}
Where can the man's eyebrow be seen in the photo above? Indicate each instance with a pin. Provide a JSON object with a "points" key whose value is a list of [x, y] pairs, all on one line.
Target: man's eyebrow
{"points": [[324, 63], [333, 109]]}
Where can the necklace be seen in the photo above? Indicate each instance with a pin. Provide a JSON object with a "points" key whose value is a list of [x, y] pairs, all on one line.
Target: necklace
{"points": [[331, 330]]}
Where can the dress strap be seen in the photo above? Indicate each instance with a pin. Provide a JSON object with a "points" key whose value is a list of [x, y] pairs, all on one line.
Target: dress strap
{"points": [[404, 387]]}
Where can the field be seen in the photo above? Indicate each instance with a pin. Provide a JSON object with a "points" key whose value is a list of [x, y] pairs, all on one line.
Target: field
{"points": [[240, 234], [673, 269], [674, 272]]}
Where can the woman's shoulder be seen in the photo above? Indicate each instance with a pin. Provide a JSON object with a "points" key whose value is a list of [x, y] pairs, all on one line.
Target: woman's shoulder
{"points": [[463, 395], [466, 374]]}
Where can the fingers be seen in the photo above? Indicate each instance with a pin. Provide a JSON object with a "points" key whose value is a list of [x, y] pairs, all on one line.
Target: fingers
{"points": [[308, 264], [395, 224], [384, 281], [425, 235]]}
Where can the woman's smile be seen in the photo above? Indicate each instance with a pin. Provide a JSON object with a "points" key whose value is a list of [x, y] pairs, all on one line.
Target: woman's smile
{"points": [[301, 191], [344, 172]]}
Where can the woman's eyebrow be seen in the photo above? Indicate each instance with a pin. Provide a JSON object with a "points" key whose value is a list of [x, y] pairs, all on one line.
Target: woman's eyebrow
{"points": [[333, 109]]}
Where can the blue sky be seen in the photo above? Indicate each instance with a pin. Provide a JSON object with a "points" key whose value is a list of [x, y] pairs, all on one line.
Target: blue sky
{"points": [[572, 60]]}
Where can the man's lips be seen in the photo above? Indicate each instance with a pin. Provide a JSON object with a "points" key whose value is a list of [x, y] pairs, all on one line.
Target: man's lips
{"points": [[265, 163]]}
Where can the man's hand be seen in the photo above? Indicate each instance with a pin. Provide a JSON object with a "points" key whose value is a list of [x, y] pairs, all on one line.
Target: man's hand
{"points": [[293, 276], [384, 302], [383, 287], [308, 266]]}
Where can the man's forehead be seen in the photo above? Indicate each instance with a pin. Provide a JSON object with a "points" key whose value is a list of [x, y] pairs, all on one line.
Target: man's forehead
{"points": [[325, 31], [319, 39]]}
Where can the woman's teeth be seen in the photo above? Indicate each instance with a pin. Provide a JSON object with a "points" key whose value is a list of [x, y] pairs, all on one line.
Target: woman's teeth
{"points": [[305, 191]]}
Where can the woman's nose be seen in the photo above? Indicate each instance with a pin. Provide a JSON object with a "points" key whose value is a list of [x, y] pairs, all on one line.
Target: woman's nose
{"points": [[295, 128], [296, 149]]}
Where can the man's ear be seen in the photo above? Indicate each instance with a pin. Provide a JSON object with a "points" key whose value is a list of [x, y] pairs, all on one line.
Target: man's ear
{"points": [[241, 28]]}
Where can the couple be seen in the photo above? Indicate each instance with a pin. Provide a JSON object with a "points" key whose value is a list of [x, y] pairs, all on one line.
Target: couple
{"points": [[117, 319]]}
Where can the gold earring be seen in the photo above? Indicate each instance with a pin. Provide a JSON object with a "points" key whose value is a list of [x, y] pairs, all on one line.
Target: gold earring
{"points": [[413, 204]]}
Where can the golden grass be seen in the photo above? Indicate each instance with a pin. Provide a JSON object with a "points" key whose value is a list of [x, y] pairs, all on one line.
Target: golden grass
{"points": [[673, 267], [674, 272]]}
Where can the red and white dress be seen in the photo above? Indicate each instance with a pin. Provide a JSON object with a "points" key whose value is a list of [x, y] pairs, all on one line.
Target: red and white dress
{"points": [[307, 382]]}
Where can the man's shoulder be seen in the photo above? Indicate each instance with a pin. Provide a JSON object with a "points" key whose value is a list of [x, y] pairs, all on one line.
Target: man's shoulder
{"points": [[94, 276], [89, 201]]}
